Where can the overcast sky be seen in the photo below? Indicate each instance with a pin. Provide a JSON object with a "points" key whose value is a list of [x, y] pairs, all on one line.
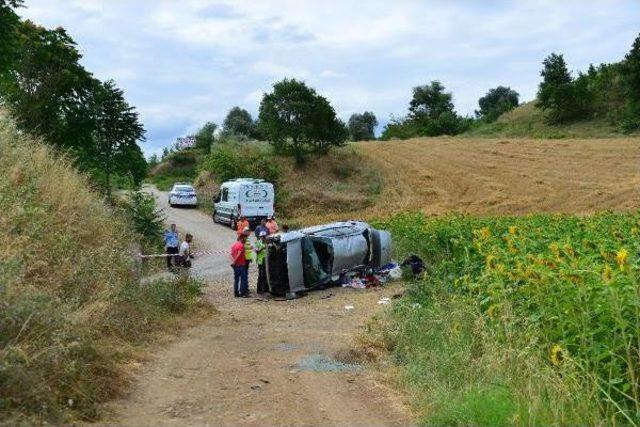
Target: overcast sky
{"points": [[182, 63]]}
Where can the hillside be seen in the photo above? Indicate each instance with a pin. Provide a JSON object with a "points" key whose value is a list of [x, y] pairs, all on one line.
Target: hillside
{"points": [[71, 308], [527, 121]]}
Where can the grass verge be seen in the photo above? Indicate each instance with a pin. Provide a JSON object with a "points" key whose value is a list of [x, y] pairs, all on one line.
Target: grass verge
{"points": [[72, 309], [525, 320]]}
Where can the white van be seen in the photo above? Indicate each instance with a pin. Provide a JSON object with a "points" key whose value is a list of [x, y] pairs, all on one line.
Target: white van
{"points": [[251, 198]]}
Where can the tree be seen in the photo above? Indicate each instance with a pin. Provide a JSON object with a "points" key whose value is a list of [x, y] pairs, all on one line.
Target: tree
{"points": [[631, 74], [496, 102], [205, 137], [362, 126], [239, 122], [429, 101], [9, 27], [295, 119], [116, 134], [556, 94]]}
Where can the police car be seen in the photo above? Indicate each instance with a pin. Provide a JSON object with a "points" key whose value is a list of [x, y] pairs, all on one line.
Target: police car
{"points": [[183, 195]]}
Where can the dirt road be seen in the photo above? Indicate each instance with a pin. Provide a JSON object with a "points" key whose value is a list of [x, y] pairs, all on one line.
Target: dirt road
{"points": [[259, 362]]}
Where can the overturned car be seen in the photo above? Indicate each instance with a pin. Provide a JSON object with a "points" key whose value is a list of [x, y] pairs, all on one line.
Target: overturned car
{"points": [[302, 260]]}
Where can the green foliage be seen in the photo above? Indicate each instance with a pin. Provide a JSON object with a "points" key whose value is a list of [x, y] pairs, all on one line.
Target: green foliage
{"points": [[230, 161], [556, 93], [362, 126], [296, 120], [631, 75], [430, 101], [9, 24], [240, 122], [205, 137], [146, 219], [51, 95], [431, 113], [496, 102], [561, 289]]}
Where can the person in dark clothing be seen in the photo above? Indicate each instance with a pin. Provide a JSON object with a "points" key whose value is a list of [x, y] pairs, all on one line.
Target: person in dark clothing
{"points": [[171, 242], [261, 249], [262, 227]]}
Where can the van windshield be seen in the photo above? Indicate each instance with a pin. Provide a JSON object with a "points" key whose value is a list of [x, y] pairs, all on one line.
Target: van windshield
{"points": [[317, 259]]}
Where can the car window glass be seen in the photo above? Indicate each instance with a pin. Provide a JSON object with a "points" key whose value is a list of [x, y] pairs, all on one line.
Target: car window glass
{"points": [[225, 194]]}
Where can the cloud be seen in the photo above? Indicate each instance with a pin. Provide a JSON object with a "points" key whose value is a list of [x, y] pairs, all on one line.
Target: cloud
{"points": [[183, 63]]}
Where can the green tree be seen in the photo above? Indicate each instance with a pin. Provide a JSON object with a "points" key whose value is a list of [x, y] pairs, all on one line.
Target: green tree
{"points": [[429, 101], [631, 74], [295, 119], [116, 134], [9, 27], [205, 137], [556, 93], [496, 102], [46, 88], [362, 126], [240, 122]]}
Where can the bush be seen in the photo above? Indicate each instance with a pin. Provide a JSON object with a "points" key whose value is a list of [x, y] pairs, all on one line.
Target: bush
{"points": [[558, 291], [239, 160], [146, 220]]}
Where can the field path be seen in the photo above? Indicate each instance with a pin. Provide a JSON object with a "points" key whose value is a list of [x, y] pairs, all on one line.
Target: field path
{"points": [[259, 362]]}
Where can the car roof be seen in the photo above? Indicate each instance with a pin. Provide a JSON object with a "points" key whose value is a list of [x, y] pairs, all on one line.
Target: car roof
{"points": [[188, 186]]}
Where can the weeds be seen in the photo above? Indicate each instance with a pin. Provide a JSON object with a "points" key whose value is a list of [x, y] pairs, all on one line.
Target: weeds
{"points": [[70, 305]]}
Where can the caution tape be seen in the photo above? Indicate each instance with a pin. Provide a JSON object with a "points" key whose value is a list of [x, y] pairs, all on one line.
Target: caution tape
{"points": [[195, 254]]}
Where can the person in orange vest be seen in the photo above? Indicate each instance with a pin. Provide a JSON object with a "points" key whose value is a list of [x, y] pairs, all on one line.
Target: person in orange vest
{"points": [[271, 225], [241, 225]]}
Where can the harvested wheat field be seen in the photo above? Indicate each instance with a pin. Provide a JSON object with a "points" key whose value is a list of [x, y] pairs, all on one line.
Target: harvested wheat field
{"points": [[502, 176]]}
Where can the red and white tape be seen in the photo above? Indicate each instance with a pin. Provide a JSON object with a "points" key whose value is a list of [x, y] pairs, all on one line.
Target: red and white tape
{"points": [[195, 254]]}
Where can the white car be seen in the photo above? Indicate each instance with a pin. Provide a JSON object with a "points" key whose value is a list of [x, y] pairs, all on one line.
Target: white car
{"points": [[183, 195]]}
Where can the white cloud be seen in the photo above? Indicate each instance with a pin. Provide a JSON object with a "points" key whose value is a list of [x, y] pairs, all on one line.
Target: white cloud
{"points": [[182, 63]]}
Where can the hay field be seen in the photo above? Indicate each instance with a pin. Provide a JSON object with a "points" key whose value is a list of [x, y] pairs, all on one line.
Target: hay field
{"points": [[498, 176]]}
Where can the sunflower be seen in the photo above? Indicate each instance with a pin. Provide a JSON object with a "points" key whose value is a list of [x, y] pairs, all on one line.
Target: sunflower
{"points": [[512, 229], [556, 355], [607, 273], [621, 258]]}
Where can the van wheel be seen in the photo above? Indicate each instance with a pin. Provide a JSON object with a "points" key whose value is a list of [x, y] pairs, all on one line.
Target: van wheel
{"points": [[233, 224]]}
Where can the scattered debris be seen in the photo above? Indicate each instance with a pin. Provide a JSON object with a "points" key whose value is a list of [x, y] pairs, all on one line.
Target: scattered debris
{"points": [[416, 305], [349, 307], [384, 301], [415, 263], [256, 387]]}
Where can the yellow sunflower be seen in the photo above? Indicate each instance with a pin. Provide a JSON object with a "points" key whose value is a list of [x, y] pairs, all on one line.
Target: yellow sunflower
{"points": [[512, 229], [621, 258], [607, 273], [557, 355]]}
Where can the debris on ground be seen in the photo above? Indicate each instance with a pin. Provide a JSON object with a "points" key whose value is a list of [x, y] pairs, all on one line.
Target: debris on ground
{"points": [[384, 301], [369, 277], [415, 264], [349, 307]]}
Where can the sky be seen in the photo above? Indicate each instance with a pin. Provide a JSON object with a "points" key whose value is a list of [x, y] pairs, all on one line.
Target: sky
{"points": [[183, 63]]}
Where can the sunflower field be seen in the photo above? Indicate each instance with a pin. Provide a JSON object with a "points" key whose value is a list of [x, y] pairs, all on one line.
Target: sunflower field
{"points": [[560, 292]]}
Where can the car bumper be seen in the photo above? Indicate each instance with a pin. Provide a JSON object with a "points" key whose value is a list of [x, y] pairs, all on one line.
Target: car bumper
{"points": [[184, 202]]}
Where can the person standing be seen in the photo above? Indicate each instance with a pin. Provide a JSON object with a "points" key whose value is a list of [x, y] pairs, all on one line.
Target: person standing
{"points": [[239, 265], [262, 227], [241, 225], [272, 225], [170, 238], [261, 252], [248, 249]]}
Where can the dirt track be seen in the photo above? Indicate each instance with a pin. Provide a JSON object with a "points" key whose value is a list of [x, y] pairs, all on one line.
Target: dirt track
{"points": [[506, 176], [260, 362]]}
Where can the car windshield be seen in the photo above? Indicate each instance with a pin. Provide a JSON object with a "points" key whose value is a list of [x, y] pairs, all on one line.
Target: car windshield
{"points": [[183, 189]]}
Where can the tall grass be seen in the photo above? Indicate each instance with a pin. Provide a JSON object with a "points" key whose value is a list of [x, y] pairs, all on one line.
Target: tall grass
{"points": [[70, 304], [529, 319]]}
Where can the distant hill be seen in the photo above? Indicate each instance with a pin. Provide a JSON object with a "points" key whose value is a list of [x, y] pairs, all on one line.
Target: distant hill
{"points": [[528, 121]]}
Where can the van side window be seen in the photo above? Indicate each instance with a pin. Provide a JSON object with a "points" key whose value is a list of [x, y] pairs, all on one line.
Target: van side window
{"points": [[225, 194]]}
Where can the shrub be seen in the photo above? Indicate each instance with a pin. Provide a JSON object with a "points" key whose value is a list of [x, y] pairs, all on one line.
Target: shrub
{"points": [[238, 160], [146, 219]]}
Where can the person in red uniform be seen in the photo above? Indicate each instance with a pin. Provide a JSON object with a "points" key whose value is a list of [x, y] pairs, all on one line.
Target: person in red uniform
{"points": [[240, 270]]}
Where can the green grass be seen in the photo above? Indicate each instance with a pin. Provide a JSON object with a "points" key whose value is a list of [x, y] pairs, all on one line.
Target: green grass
{"points": [[528, 320], [527, 121]]}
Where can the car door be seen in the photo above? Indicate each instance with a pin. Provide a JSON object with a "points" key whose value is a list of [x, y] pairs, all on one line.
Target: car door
{"points": [[222, 206]]}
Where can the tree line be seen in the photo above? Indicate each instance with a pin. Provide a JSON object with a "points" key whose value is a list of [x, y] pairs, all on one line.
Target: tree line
{"points": [[52, 96]]}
